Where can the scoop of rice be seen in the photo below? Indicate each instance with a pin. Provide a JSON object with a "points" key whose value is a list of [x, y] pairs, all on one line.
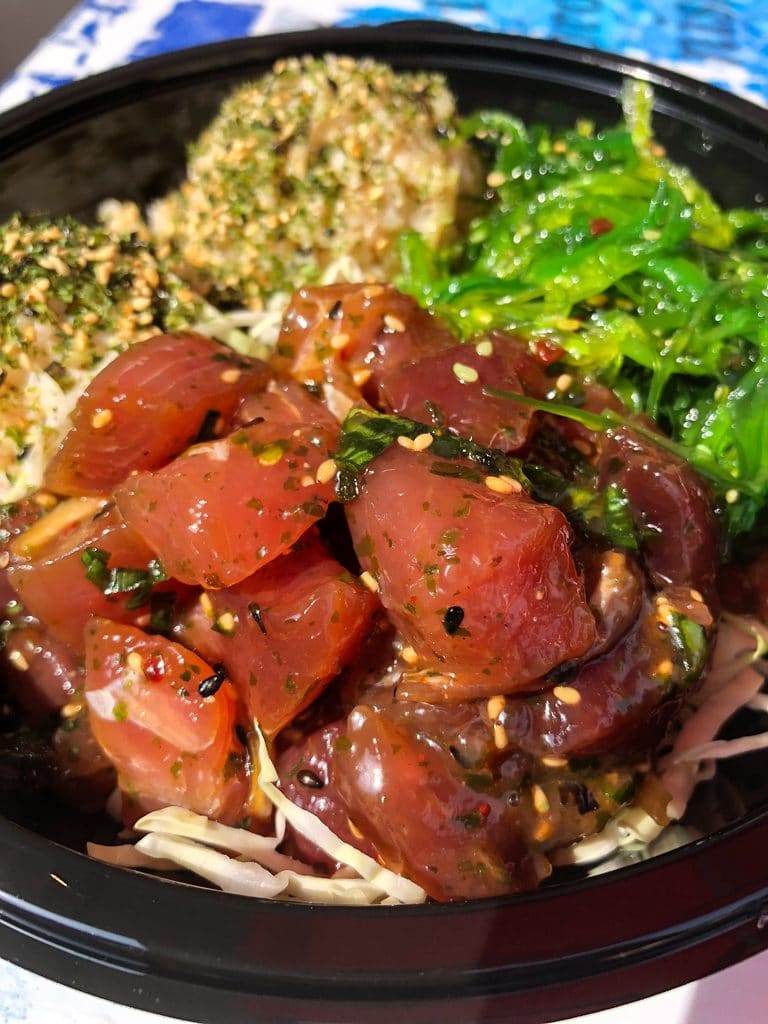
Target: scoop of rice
{"points": [[321, 163], [71, 297]]}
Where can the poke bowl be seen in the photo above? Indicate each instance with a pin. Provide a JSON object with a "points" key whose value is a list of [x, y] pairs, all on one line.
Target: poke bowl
{"points": [[610, 889]]}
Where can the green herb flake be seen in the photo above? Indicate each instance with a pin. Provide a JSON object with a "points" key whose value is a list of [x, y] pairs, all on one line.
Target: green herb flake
{"points": [[120, 711]]}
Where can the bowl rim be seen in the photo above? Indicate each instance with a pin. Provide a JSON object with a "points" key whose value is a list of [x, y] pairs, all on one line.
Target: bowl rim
{"points": [[44, 911], [84, 97]]}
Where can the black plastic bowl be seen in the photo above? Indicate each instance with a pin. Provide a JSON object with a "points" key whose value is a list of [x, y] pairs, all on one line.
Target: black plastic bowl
{"points": [[197, 954]]}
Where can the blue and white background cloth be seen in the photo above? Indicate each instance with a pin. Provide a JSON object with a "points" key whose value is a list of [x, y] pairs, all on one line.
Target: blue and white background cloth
{"points": [[720, 41], [724, 42]]}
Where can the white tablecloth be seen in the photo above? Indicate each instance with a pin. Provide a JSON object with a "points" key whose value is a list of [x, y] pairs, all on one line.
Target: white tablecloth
{"points": [[738, 995]]}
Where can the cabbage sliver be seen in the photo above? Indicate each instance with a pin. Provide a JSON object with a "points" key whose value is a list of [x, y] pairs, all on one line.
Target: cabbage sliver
{"points": [[193, 842]]}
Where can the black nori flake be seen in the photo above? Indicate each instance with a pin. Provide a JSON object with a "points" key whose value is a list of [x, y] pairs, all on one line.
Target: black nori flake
{"points": [[583, 798], [211, 684], [453, 618], [255, 612], [335, 311]]}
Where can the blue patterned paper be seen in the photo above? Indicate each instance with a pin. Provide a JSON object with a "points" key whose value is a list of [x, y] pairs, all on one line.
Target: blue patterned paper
{"points": [[197, 21], [719, 41]]}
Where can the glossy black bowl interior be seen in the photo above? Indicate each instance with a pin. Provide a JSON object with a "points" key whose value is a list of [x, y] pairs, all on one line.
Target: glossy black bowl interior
{"points": [[576, 946]]}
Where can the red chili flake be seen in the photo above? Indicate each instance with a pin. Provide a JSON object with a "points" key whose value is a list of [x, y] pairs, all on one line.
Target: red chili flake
{"points": [[154, 667], [548, 351], [484, 809], [600, 226]]}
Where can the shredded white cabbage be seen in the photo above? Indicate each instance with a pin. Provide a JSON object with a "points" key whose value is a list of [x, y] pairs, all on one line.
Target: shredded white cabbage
{"points": [[734, 681], [630, 826], [316, 831], [254, 332], [247, 878], [39, 402], [127, 856], [249, 331], [175, 821], [182, 839]]}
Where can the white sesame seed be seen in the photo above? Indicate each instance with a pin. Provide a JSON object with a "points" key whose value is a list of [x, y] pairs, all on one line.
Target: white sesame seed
{"points": [[5, 558], [231, 376], [732, 496], [101, 419], [484, 348], [307, 481], [405, 442], [45, 500], [554, 762], [103, 272], [697, 596], [495, 179], [567, 694], [422, 442], [340, 341], [563, 382], [18, 661], [500, 738], [326, 471], [71, 709], [226, 622], [361, 377], [664, 668], [409, 656], [207, 605], [466, 374], [369, 581], [540, 801], [495, 706], [394, 323], [135, 662], [664, 610], [503, 485]]}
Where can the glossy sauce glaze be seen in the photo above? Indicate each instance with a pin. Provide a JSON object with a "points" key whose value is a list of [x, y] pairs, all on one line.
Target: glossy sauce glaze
{"points": [[455, 675]]}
